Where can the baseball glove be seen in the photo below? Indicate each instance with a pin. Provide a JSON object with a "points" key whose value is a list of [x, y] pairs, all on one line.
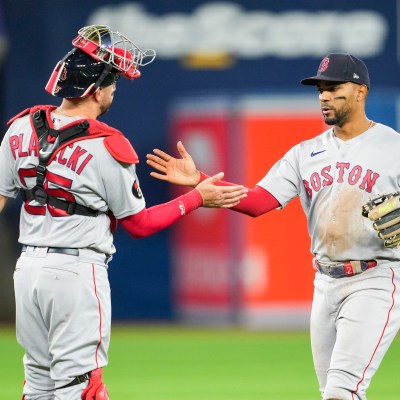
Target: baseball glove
{"points": [[384, 211]]}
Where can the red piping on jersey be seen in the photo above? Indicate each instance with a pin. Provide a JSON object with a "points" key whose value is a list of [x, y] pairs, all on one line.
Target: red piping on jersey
{"points": [[380, 339], [100, 317]]}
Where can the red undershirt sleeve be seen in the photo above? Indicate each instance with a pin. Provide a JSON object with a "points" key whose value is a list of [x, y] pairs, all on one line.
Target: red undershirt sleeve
{"points": [[258, 201], [153, 219]]}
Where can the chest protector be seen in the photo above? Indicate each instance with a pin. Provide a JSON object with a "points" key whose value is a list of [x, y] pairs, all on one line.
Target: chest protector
{"points": [[50, 141]]}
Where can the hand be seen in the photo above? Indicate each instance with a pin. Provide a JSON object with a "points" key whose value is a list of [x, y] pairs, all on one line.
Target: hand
{"points": [[180, 171], [220, 196]]}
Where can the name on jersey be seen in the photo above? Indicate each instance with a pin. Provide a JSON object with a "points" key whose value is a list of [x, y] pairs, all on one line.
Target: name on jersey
{"points": [[340, 173], [74, 158]]}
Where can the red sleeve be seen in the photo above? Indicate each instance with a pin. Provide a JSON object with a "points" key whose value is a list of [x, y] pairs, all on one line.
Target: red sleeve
{"points": [[258, 201], [153, 219]]}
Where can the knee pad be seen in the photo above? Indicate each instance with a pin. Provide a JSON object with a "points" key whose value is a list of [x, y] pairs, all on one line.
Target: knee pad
{"points": [[95, 390]]}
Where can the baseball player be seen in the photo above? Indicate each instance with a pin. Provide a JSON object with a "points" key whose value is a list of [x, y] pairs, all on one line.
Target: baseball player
{"points": [[78, 178], [341, 177]]}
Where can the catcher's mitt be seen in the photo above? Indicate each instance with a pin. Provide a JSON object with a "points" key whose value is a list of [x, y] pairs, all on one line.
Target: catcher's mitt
{"points": [[384, 211]]}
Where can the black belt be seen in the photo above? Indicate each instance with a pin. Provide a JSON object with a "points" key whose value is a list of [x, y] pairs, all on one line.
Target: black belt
{"points": [[77, 380], [61, 250], [347, 268], [66, 250]]}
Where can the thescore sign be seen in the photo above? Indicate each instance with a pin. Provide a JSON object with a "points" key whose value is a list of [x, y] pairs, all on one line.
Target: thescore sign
{"points": [[226, 27]]}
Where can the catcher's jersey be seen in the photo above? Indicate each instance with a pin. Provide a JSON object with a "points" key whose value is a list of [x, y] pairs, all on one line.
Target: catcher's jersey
{"points": [[333, 179], [84, 172]]}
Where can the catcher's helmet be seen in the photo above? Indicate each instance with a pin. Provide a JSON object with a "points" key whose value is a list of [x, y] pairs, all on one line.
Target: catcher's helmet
{"points": [[98, 58]]}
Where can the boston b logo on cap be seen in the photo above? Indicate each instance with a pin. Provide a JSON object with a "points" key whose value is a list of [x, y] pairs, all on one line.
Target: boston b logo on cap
{"points": [[324, 65], [340, 67]]}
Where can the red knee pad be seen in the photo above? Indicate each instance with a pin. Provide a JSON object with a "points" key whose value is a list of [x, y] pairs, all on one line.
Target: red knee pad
{"points": [[95, 390]]}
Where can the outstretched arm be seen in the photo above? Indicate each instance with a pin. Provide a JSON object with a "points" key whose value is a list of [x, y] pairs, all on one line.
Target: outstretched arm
{"points": [[207, 194], [258, 202], [183, 171]]}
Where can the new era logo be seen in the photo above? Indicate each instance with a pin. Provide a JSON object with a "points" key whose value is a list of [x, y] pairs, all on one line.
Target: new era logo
{"points": [[355, 76]]}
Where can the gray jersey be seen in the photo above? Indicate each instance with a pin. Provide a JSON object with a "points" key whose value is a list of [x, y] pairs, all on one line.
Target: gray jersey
{"points": [[84, 172], [333, 179]]}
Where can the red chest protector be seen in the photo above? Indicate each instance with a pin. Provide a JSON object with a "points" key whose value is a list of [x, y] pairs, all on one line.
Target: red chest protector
{"points": [[50, 141]]}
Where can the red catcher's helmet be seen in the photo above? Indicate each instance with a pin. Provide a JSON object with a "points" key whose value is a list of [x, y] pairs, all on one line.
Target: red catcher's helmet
{"points": [[99, 56]]}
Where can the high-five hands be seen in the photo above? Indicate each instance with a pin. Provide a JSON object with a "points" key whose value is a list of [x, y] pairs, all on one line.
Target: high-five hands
{"points": [[183, 171], [180, 171], [220, 196]]}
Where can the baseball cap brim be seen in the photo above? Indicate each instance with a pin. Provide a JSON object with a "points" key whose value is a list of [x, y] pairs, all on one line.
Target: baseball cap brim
{"points": [[313, 80]]}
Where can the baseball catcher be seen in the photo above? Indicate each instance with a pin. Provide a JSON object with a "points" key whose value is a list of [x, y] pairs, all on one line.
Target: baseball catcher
{"points": [[78, 180], [384, 211]]}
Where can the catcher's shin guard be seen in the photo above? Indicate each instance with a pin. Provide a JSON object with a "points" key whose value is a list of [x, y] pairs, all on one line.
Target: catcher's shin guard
{"points": [[95, 390]]}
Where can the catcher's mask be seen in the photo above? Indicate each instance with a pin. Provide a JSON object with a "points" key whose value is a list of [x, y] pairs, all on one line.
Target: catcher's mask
{"points": [[98, 58]]}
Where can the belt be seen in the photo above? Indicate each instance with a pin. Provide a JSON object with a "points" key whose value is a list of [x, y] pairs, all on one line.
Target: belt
{"points": [[346, 268], [70, 251], [61, 250], [77, 380]]}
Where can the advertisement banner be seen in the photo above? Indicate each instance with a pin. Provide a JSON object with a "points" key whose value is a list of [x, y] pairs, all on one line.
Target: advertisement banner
{"points": [[229, 267], [201, 256]]}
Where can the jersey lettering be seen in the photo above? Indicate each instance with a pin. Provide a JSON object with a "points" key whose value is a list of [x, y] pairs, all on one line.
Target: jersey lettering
{"points": [[23, 174], [73, 160], [315, 181], [58, 191], [341, 167], [308, 189], [76, 161], [33, 146], [345, 173], [60, 157], [354, 175], [328, 179], [369, 180], [16, 145], [84, 163]]}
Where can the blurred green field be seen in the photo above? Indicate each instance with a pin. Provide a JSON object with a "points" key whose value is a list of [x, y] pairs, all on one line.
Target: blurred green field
{"points": [[179, 363]]}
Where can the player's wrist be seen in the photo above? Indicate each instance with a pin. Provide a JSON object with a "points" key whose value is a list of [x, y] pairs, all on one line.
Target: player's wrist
{"points": [[201, 176]]}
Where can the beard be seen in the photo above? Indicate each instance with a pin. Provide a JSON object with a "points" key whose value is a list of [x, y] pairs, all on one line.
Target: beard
{"points": [[339, 118]]}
